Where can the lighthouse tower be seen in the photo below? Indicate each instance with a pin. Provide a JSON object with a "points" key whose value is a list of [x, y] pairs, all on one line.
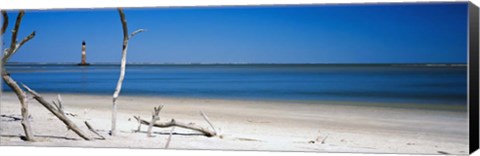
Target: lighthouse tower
{"points": [[84, 55]]}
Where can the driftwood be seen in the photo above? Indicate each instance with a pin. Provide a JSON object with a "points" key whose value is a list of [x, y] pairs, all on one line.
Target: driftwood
{"points": [[123, 65], [14, 118], [208, 121], [155, 117], [139, 126], [59, 104], [58, 114], [14, 46], [94, 131], [169, 137], [324, 139], [173, 123]]}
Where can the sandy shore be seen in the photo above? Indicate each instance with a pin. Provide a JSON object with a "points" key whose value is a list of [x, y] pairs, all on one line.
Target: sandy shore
{"points": [[248, 125]]}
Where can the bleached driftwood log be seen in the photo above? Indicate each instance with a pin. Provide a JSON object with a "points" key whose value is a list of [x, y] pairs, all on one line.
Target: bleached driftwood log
{"points": [[59, 114], [123, 65], [14, 46], [173, 123]]}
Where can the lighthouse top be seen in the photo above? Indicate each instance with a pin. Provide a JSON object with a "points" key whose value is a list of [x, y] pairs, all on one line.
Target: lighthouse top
{"points": [[84, 55]]}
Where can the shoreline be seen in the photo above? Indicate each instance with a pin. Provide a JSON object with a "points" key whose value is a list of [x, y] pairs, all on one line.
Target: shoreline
{"points": [[425, 64], [249, 125], [400, 105]]}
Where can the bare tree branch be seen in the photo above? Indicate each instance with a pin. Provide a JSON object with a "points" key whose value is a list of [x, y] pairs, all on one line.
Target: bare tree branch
{"points": [[139, 125], [5, 22], [155, 117], [10, 52], [136, 32], [208, 121], [94, 131], [15, 30], [57, 113], [169, 137], [59, 104]]}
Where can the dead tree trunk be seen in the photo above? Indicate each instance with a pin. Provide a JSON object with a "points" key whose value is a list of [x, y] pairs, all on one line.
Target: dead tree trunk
{"points": [[24, 104], [58, 113], [14, 46], [123, 65]]}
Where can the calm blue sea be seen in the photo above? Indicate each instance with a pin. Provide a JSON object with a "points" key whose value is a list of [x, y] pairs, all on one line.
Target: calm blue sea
{"points": [[417, 84]]}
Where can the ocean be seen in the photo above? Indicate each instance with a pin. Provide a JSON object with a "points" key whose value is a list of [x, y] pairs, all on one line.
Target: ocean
{"points": [[385, 83]]}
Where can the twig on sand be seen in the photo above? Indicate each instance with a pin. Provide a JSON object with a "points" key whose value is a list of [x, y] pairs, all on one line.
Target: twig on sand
{"points": [[324, 139], [94, 131], [208, 121], [139, 124], [169, 138], [14, 118]]}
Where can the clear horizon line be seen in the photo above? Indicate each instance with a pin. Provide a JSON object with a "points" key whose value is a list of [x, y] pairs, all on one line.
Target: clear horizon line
{"points": [[218, 63]]}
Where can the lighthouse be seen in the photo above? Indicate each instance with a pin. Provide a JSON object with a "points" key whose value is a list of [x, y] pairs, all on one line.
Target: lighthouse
{"points": [[84, 55]]}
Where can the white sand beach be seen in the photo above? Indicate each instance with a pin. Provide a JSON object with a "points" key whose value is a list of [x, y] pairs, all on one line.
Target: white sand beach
{"points": [[246, 125]]}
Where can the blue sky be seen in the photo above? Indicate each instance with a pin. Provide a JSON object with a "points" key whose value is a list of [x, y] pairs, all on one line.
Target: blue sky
{"points": [[381, 33]]}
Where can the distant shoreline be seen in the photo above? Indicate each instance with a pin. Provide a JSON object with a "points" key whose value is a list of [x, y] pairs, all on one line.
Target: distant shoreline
{"points": [[393, 104], [246, 64]]}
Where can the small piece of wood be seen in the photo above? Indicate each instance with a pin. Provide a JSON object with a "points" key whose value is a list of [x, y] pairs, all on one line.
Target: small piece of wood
{"points": [[14, 118], [208, 121], [58, 114], [324, 139], [59, 105], [139, 124], [94, 131], [136, 32], [169, 138]]}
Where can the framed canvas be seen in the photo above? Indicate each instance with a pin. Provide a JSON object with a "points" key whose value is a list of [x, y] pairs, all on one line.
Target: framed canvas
{"points": [[358, 78]]}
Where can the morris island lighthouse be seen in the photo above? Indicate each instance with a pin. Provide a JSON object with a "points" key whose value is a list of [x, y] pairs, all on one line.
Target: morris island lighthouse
{"points": [[84, 55]]}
